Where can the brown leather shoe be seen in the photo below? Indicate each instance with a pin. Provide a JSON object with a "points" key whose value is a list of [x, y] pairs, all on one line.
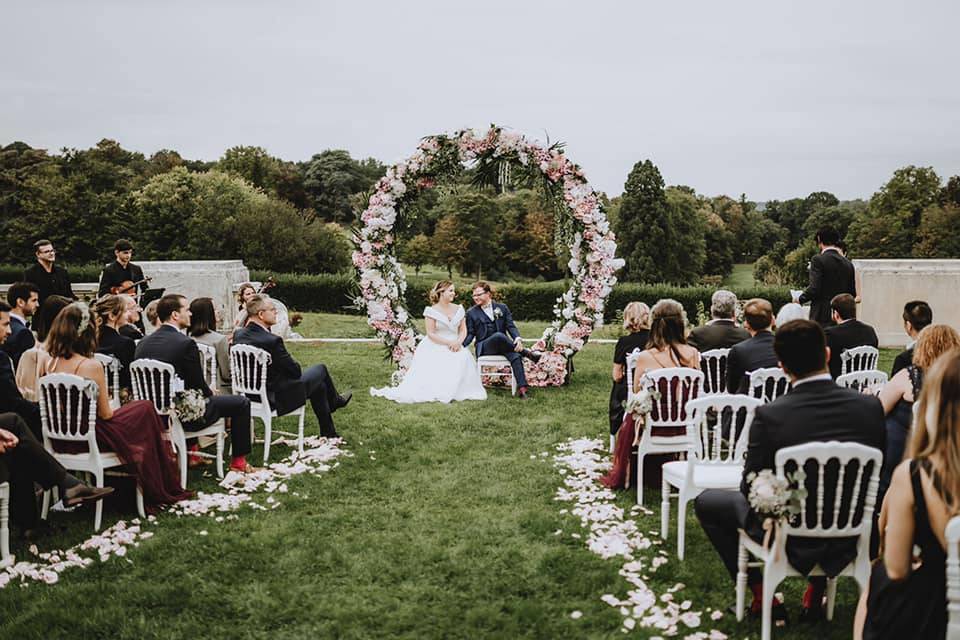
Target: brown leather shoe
{"points": [[80, 493]]}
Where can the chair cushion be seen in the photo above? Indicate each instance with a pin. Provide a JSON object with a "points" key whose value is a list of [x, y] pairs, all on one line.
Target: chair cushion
{"points": [[720, 476]]}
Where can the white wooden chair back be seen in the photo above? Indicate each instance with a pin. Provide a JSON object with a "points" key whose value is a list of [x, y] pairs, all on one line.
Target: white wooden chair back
{"points": [[677, 386], [208, 359], [68, 410], [713, 363], [952, 534], [155, 381], [863, 381], [768, 384], [863, 358], [837, 520], [722, 423], [631, 367], [248, 371], [111, 370]]}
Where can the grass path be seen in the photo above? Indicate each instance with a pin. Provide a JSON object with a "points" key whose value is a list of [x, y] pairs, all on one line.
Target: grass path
{"points": [[439, 526]]}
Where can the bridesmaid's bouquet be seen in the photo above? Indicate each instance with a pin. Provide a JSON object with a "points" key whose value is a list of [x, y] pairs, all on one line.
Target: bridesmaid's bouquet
{"points": [[189, 405], [775, 497], [641, 404]]}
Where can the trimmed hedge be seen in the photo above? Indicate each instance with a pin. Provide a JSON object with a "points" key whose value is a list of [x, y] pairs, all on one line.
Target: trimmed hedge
{"points": [[10, 273], [333, 293]]}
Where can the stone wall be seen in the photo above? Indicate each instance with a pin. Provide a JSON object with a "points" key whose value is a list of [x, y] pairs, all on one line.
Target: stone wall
{"points": [[215, 279]]}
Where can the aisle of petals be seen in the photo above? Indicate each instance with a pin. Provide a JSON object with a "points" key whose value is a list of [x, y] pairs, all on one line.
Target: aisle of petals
{"points": [[612, 534], [319, 456]]}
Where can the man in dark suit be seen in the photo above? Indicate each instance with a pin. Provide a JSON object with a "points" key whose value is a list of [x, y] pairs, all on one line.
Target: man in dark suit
{"points": [[757, 351], [722, 331], [830, 274], [917, 314], [816, 410], [492, 326], [11, 400], [288, 386], [121, 270], [23, 298], [170, 344], [23, 462], [49, 278], [847, 332]]}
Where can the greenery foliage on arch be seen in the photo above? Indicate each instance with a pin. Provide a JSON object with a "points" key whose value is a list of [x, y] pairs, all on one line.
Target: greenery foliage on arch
{"points": [[581, 225]]}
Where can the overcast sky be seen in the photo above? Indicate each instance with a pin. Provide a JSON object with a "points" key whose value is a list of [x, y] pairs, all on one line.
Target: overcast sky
{"points": [[769, 98]]}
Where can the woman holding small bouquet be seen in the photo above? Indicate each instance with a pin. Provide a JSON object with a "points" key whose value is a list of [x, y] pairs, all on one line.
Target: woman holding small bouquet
{"points": [[134, 432], [666, 348]]}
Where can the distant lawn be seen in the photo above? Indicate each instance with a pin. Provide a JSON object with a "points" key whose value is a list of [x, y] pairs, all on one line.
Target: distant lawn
{"points": [[741, 277]]}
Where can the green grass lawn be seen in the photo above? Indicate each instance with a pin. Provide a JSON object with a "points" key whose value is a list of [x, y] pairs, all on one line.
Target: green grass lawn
{"points": [[440, 526], [741, 277]]}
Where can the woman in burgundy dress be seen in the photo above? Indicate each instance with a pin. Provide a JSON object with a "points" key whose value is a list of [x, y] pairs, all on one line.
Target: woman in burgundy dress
{"points": [[134, 432], [666, 348]]}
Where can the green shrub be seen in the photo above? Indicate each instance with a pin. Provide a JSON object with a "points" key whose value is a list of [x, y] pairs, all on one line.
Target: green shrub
{"points": [[78, 273]]}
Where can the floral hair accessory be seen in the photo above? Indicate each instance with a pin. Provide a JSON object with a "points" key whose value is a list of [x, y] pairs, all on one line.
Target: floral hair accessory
{"points": [[84, 323]]}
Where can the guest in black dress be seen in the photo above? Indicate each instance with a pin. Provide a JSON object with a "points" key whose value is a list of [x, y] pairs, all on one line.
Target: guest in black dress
{"points": [[636, 320], [906, 597], [111, 314]]}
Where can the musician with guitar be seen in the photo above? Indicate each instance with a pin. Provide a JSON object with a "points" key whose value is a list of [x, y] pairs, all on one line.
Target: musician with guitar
{"points": [[122, 276]]}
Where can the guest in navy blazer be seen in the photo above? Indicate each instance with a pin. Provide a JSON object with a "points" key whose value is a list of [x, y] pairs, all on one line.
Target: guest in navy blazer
{"points": [[492, 326], [24, 300], [288, 386]]}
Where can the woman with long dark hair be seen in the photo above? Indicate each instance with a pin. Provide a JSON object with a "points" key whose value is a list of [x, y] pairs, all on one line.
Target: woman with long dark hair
{"points": [[203, 329]]}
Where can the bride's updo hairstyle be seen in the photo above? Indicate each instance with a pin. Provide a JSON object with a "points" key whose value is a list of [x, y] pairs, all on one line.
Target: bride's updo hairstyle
{"points": [[438, 289], [667, 327], [73, 332]]}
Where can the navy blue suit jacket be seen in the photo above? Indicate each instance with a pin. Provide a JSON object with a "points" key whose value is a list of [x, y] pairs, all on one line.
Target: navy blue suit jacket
{"points": [[480, 327], [19, 340]]}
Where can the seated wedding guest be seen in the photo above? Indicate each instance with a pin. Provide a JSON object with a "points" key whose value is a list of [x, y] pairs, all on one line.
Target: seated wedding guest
{"points": [[244, 293], [847, 332], [150, 312], [49, 278], [817, 410], [917, 314], [122, 276], [111, 313], [666, 348], [169, 344], [11, 400], [906, 595], [134, 431], [24, 462], [636, 320], [203, 324], [23, 299], [288, 386], [722, 331], [898, 395], [756, 352], [27, 372], [790, 312], [130, 322]]}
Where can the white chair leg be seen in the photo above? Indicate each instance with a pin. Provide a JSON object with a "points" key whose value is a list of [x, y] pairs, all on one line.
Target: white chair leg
{"points": [[300, 431], [831, 596], [220, 455], [741, 581], [140, 508], [98, 515], [513, 384], [664, 508], [613, 443], [5, 524], [640, 479], [45, 507], [767, 606], [267, 436], [681, 524]]}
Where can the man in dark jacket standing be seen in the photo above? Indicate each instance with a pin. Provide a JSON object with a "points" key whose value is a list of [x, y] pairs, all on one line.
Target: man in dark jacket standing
{"points": [[830, 274], [288, 386], [49, 278]]}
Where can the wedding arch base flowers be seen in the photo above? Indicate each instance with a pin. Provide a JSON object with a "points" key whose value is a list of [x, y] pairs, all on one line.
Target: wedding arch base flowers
{"points": [[581, 225]]}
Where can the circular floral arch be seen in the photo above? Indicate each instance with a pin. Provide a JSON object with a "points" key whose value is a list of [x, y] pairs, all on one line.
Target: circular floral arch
{"points": [[581, 222]]}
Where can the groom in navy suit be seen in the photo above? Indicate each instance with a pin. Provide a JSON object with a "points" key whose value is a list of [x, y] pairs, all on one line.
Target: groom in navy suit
{"points": [[492, 326]]}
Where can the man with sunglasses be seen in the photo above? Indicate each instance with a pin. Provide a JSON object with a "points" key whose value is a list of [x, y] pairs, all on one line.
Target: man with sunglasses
{"points": [[49, 278]]}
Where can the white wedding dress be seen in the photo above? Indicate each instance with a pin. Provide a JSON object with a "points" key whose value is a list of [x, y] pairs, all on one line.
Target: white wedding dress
{"points": [[437, 374]]}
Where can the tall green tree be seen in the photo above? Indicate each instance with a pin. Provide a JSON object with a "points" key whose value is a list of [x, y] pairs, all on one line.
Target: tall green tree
{"points": [[642, 232], [416, 252], [449, 245], [888, 227]]}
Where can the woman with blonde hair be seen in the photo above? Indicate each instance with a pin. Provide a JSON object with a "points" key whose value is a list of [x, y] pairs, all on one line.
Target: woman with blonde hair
{"points": [[111, 313], [636, 321], [666, 348], [897, 396], [906, 597], [134, 431], [441, 370]]}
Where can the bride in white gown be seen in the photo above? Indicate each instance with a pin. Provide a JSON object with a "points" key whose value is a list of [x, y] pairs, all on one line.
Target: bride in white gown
{"points": [[442, 370]]}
